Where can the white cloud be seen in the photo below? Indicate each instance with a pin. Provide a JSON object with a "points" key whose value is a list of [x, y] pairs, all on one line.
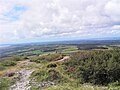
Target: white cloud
{"points": [[58, 18], [112, 10]]}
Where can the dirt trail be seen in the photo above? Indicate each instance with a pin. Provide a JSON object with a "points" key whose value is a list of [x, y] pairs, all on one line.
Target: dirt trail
{"points": [[63, 59]]}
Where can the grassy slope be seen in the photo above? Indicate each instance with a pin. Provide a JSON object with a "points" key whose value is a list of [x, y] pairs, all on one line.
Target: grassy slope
{"points": [[64, 81]]}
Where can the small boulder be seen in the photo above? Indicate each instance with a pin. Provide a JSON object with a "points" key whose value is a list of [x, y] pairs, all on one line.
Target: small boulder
{"points": [[10, 74]]}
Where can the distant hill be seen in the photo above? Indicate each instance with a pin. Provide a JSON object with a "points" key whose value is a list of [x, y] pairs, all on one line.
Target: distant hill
{"points": [[105, 40], [108, 38]]}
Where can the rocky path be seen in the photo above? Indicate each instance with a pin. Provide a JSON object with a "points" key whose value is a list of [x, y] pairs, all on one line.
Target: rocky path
{"points": [[23, 83]]}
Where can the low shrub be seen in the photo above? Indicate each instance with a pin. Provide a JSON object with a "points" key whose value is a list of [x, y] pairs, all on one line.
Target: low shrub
{"points": [[52, 65], [48, 75], [2, 67], [46, 58], [8, 63], [17, 58], [97, 67]]}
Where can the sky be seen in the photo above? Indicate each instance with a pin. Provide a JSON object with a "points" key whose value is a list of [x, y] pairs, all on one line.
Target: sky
{"points": [[49, 20]]}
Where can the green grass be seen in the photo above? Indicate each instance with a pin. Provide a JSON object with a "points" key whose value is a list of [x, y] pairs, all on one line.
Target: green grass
{"points": [[8, 63], [2, 67], [114, 85], [70, 49], [36, 52], [72, 86], [46, 58], [5, 83]]}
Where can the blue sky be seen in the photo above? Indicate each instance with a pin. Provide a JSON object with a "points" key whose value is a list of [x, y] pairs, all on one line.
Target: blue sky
{"points": [[52, 20], [13, 14]]}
